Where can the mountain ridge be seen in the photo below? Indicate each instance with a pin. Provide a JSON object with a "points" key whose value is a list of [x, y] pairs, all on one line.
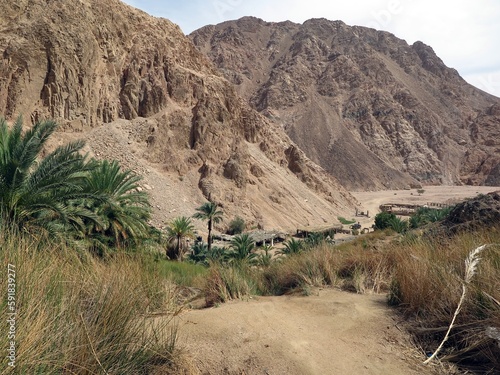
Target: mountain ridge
{"points": [[372, 110]]}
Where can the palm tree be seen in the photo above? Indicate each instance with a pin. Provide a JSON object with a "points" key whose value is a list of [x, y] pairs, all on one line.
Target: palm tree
{"points": [[37, 193], [292, 246], [198, 253], [265, 259], [123, 209], [179, 229], [242, 248], [209, 211]]}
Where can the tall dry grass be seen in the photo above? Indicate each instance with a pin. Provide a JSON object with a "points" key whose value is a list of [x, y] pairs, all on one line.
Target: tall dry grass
{"points": [[428, 286], [78, 315], [225, 283], [356, 267]]}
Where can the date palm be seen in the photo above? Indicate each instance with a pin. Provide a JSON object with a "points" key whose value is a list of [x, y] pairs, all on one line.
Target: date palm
{"points": [[179, 229], [209, 211], [37, 193], [242, 247], [121, 207], [292, 246]]}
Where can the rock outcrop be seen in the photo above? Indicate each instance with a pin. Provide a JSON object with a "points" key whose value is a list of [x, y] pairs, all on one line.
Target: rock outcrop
{"points": [[372, 110], [139, 91], [481, 212]]}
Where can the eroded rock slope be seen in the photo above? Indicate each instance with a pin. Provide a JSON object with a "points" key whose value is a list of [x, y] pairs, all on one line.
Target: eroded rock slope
{"points": [[139, 91]]}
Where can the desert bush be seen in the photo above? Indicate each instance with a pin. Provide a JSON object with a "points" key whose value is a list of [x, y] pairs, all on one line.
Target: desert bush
{"points": [[236, 226], [291, 246], [265, 257], [225, 283], [398, 225], [314, 239], [426, 215], [342, 266], [242, 250], [200, 254]]}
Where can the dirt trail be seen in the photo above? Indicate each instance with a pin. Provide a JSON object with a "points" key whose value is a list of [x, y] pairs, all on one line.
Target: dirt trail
{"points": [[330, 332]]}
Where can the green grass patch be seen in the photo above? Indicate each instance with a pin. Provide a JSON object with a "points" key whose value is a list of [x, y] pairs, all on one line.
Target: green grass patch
{"points": [[344, 221], [181, 273]]}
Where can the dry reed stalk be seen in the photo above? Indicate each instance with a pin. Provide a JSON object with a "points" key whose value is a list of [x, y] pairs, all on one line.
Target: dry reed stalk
{"points": [[471, 264]]}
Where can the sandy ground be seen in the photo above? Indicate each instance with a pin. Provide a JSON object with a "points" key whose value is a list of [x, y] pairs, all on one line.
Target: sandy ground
{"points": [[329, 332], [371, 200]]}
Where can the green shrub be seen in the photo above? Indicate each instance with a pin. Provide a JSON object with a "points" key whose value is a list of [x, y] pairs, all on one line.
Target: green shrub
{"points": [[382, 220], [426, 215], [292, 246], [236, 226]]}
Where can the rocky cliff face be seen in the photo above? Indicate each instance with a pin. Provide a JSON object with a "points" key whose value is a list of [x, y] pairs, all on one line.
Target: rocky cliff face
{"points": [[372, 110], [139, 91]]}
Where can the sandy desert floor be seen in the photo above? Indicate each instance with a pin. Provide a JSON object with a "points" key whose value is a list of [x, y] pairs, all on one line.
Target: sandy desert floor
{"points": [[329, 332]]}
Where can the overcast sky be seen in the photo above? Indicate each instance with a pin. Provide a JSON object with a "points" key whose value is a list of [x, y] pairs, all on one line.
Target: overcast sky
{"points": [[465, 34]]}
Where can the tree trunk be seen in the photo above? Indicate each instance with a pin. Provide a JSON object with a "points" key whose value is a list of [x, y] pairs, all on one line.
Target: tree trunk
{"points": [[209, 239], [179, 253]]}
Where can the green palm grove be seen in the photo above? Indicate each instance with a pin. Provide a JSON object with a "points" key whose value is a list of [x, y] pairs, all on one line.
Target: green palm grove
{"points": [[64, 194]]}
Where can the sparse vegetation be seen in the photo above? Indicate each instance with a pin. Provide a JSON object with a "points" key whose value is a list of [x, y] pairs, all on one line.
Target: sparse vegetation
{"points": [[98, 310], [344, 221], [420, 274], [236, 226]]}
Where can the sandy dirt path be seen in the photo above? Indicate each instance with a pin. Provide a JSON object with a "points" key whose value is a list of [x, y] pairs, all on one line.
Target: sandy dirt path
{"points": [[330, 332]]}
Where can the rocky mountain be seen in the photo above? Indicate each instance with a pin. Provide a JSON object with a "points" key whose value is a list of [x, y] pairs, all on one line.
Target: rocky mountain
{"points": [[137, 90], [372, 110]]}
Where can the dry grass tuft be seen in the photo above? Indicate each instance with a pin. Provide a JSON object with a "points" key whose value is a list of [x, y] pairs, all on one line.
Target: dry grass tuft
{"points": [[78, 315]]}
